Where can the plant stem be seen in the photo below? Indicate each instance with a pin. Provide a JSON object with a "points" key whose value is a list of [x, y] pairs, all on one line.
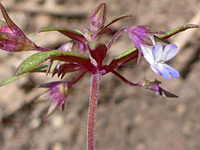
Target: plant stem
{"points": [[77, 79], [115, 37], [124, 79], [92, 111]]}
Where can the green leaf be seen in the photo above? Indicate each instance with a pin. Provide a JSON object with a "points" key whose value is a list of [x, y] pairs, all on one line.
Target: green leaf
{"points": [[125, 57], [35, 60], [127, 52], [67, 32], [13, 78], [177, 30]]}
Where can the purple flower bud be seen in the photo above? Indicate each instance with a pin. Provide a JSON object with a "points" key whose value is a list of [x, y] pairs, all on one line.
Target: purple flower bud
{"points": [[12, 39], [67, 46], [140, 35], [4, 28], [82, 48], [86, 32], [154, 86], [98, 17], [57, 93]]}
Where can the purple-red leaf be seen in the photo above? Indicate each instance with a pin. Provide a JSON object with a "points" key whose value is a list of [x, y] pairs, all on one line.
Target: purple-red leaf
{"points": [[127, 56], [74, 35], [98, 51], [35, 60]]}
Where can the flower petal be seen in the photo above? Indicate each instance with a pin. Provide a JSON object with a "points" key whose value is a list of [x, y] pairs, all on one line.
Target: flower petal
{"points": [[169, 52], [171, 70], [53, 107], [154, 68], [152, 39], [165, 73], [147, 52], [157, 51]]}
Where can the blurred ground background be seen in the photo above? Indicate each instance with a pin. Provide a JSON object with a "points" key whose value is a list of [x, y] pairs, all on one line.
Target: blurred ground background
{"points": [[128, 118]]}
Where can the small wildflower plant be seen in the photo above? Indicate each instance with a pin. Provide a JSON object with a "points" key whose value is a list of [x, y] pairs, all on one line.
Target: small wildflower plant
{"points": [[152, 44]]}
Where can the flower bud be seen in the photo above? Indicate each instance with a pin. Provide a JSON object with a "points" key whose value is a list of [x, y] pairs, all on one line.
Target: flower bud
{"points": [[57, 94], [98, 17], [12, 39]]}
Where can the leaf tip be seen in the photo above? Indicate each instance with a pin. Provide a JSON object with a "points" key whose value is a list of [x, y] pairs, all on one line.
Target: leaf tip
{"points": [[17, 73]]}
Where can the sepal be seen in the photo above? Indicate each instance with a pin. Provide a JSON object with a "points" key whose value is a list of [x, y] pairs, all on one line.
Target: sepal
{"points": [[154, 86], [72, 34]]}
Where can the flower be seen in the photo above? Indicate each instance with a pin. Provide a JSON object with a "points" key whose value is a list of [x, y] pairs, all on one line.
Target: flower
{"points": [[143, 38], [57, 94], [141, 35], [156, 56]]}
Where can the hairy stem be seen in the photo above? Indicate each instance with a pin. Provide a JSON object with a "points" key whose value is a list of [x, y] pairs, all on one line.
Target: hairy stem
{"points": [[115, 37], [42, 49], [92, 111]]}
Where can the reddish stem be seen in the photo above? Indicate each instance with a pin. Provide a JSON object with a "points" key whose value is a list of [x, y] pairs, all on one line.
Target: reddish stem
{"points": [[115, 37], [92, 111], [124, 79], [77, 79], [43, 49]]}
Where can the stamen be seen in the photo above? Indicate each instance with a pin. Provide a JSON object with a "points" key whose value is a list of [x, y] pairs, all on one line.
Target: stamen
{"points": [[161, 61]]}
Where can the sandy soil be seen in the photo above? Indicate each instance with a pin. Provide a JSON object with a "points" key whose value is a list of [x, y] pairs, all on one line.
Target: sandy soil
{"points": [[128, 118]]}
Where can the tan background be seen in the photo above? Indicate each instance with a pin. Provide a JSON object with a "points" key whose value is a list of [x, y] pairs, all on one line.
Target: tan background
{"points": [[128, 118]]}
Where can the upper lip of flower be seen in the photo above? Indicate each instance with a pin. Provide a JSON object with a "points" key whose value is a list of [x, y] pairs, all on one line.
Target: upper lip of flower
{"points": [[160, 55]]}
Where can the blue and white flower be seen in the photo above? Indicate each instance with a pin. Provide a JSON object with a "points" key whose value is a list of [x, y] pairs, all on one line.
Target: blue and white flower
{"points": [[157, 55]]}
